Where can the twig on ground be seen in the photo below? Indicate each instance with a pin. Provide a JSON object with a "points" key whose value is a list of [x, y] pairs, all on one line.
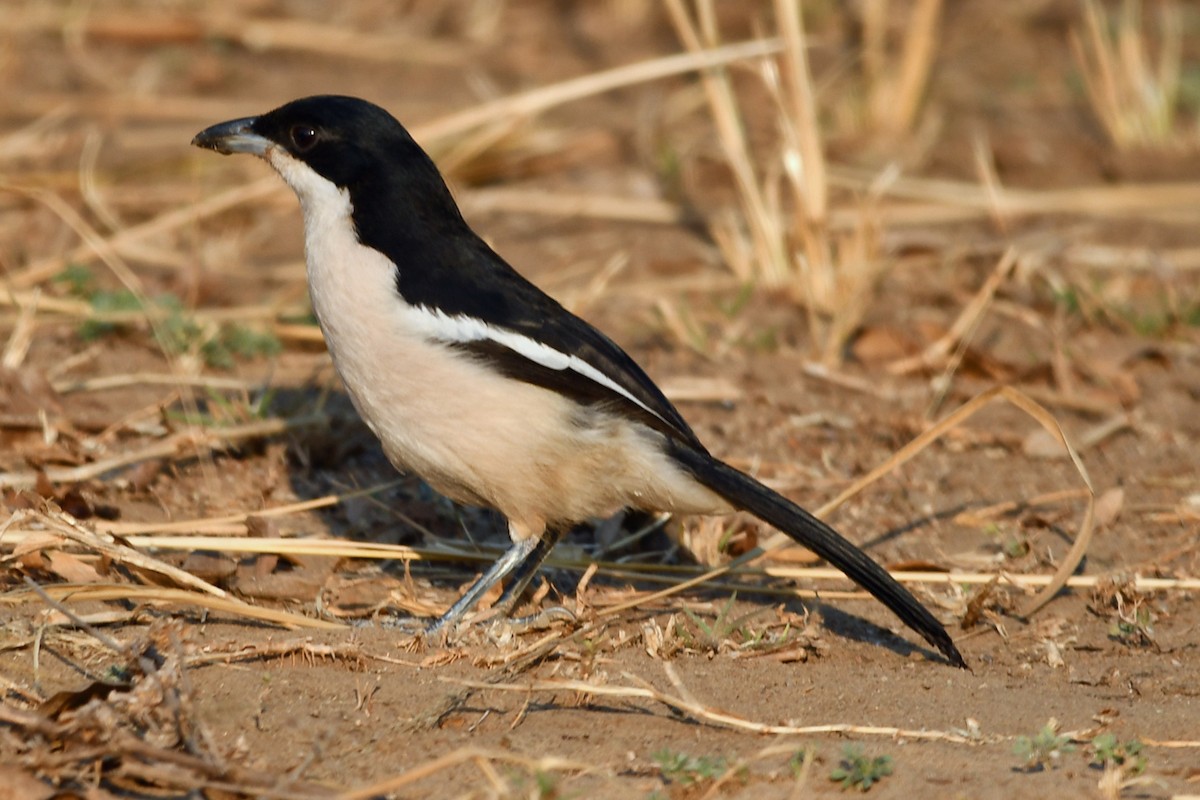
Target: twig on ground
{"points": [[712, 716]]}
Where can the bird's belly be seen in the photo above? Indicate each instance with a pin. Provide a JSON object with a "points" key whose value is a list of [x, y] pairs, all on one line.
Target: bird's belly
{"points": [[482, 438]]}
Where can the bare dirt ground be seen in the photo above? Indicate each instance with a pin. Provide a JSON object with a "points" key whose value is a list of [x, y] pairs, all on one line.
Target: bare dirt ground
{"points": [[162, 378]]}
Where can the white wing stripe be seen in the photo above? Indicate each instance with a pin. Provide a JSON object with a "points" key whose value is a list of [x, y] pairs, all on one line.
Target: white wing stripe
{"points": [[438, 325]]}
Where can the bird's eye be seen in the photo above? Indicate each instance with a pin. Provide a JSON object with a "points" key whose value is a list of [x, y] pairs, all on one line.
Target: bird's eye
{"points": [[303, 137]]}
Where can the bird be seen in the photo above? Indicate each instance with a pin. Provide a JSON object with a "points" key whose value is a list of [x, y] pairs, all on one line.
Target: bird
{"points": [[479, 382]]}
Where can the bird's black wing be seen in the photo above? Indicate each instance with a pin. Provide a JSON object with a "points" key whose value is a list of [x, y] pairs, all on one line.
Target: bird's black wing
{"points": [[471, 280]]}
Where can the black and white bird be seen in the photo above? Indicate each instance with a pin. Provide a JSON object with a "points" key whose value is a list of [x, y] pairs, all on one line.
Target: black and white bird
{"points": [[479, 382]]}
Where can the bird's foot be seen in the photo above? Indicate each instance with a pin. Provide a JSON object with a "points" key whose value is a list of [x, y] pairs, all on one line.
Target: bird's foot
{"points": [[415, 627], [542, 620]]}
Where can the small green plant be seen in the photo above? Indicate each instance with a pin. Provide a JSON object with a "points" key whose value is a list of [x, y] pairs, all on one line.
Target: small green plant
{"points": [[1136, 629], [858, 770], [219, 409], [540, 785], [801, 762], [1016, 547], [547, 785], [685, 770], [78, 280], [1107, 750], [235, 342], [723, 631], [1043, 748], [107, 303], [178, 331]]}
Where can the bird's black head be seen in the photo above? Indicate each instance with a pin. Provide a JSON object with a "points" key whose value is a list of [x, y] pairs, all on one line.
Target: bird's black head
{"points": [[343, 139], [396, 191]]}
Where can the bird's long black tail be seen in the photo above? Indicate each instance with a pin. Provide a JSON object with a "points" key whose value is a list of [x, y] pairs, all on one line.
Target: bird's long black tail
{"points": [[748, 494]]}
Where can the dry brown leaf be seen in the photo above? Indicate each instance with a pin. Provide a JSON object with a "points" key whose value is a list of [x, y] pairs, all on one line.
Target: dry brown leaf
{"points": [[880, 343], [70, 568], [18, 784]]}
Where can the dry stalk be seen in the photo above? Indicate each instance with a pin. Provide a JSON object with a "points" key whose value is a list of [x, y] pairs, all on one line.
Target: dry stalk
{"points": [[711, 715], [780, 236], [937, 353], [1134, 95], [62, 524], [960, 201], [895, 86], [121, 592], [535, 101]]}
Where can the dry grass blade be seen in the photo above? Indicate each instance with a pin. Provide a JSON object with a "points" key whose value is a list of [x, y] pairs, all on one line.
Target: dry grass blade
{"points": [[195, 526], [334, 548], [764, 228], [968, 318], [17, 346], [964, 200], [562, 204], [1134, 95], [100, 383], [896, 93], [311, 651], [537, 100], [110, 592], [956, 578], [778, 236], [66, 526], [1022, 401], [802, 110], [94, 243]]}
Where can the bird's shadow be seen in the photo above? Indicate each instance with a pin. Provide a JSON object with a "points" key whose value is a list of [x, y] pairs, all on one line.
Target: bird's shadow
{"points": [[859, 629], [340, 456]]}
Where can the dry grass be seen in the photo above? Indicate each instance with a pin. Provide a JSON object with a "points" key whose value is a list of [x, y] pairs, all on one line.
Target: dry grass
{"points": [[896, 77], [781, 235], [778, 238], [823, 234], [1134, 85]]}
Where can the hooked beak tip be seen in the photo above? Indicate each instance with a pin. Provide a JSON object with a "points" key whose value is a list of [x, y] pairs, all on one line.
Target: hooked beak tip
{"points": [[235, 136]]}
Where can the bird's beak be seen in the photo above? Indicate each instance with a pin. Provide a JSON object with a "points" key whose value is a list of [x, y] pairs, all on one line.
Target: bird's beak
{"points": [[234, 136]]}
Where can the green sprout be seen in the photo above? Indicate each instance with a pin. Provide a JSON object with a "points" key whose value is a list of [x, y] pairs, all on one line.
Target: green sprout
{"points": [[1042, 749], [107, 303], [859, 770], [1136, 630], [78, 280], [1107, 750], [686, 770]]}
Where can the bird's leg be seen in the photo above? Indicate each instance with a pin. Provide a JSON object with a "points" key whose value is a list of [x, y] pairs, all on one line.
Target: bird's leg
{"points": [[526, 570], [515, 555]]}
